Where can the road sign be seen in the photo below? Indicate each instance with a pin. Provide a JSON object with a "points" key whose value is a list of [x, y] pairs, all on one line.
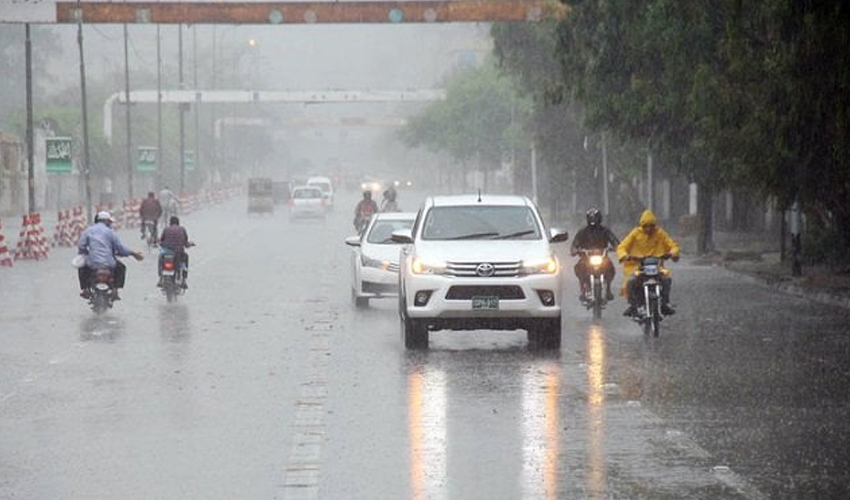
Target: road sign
{"points": [[58, 155], [146, 159], [189, 159], [298, 12]]}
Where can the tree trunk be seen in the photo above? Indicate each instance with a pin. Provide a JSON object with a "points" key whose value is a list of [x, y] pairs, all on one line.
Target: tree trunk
{"points": [[705, 228]]}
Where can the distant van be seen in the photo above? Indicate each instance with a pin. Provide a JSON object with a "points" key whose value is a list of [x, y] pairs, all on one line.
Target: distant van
{"points": [[325, 185]]}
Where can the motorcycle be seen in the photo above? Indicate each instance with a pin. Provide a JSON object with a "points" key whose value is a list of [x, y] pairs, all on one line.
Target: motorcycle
{"points": [[361, 222], [101, 290], [649, 280], [172, 272], [594, 297]]}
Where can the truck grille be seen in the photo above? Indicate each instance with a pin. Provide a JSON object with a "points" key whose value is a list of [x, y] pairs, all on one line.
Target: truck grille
{"points": [[472, 269], [466, 292]]}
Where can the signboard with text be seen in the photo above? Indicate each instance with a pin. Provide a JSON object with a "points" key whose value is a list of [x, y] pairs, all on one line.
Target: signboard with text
{"points": [[189, 159], [58, 155], [146, 159]]}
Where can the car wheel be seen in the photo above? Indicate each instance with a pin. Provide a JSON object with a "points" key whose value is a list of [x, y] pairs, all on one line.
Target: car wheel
{"points": [[545, 333], [414, 333], [361, 302]]}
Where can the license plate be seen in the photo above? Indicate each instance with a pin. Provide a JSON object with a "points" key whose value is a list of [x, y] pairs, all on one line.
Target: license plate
{"points": [[485, 303], [167, 273]]}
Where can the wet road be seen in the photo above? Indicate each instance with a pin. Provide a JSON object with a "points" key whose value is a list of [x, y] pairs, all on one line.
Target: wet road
{"points": [[264, 382]]}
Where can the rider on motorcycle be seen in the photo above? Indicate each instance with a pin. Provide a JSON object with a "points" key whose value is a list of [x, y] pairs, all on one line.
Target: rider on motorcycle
{"points": [[150, 210], [389, 204], [594, 236], [175, 239], [647, 240], [169, 202], [100, 245], [364, 210]]}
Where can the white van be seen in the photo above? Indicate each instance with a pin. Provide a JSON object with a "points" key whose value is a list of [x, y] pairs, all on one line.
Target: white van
{"points": [[326, 186]]}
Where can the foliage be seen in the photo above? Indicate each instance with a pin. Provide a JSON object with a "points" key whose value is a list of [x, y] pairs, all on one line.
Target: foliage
{"points": [[728, 93], [479, 119]]}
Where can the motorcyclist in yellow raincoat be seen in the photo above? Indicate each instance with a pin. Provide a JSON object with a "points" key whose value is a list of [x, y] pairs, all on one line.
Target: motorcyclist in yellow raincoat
{"points": [[648, 240]]}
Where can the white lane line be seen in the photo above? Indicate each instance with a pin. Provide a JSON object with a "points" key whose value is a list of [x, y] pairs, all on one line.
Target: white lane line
{"points": [[303, 465]]}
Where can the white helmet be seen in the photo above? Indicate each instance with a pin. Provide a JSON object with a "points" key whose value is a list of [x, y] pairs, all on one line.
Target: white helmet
{"points": [[104, 217]]}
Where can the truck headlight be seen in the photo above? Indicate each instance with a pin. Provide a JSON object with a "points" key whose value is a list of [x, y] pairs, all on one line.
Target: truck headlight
{"points": [[548, 265], [377, 264], [422, 266]]}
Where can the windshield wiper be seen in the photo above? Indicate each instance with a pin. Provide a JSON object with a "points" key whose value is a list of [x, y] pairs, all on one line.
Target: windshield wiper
{"points": [[473, 236], [514, 235]]}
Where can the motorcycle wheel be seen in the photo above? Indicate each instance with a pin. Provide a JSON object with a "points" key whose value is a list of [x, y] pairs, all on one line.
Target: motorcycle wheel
{"points": [[656, 321], [597, 299], [99, 303], [170, 288]]}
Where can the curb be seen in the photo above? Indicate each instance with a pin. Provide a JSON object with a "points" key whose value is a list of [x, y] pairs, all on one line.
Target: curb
{"points": [[777, 285]]}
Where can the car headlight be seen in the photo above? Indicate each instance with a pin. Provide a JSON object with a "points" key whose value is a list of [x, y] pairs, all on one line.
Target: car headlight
{"points": [[596, 260], [377, 264], [422, 266], [548, 265]]}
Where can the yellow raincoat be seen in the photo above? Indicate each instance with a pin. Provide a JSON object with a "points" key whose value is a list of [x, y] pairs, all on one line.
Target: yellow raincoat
{"points": [[639, 243]]}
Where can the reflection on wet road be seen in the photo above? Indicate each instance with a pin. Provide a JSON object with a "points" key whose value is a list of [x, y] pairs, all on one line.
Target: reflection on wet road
{"points": [[264, 382]]}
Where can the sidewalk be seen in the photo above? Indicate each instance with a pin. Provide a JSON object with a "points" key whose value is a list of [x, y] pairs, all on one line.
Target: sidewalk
{"points": [[756, 258]]}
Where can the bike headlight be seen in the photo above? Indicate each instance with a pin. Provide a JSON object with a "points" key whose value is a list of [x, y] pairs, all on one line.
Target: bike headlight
{"points": [[549, 265], [423, 266], [596, 260]]}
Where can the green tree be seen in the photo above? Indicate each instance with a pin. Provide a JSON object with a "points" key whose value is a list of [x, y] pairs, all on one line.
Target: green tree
{"points": [[476, 122]]}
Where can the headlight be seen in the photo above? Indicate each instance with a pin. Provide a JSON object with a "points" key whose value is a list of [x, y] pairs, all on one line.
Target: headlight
{"points": [[548, 265], [370, 262], [421, 266], [595, 260]]}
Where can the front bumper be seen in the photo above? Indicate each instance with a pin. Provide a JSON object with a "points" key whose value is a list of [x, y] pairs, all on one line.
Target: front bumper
{"points": [[378, 283], [441, 305]]}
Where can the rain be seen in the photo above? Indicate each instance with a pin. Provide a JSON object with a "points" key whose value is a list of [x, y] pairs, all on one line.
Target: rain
{"points": [[437, 344]]}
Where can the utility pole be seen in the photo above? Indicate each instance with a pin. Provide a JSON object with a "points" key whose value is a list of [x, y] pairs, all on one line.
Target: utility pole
{"points": [[180, 108], [30, 131], [86, 168], [197, 101], [534, 172], [649, 181], [160, 157], [127, 116], [605, 199]]}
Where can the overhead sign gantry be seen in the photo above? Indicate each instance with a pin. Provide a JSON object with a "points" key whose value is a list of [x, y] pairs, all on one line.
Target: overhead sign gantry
{"points": [[271, 13]]}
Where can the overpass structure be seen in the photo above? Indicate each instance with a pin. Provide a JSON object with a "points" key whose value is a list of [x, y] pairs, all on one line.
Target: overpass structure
{"points": [[249, 96]]}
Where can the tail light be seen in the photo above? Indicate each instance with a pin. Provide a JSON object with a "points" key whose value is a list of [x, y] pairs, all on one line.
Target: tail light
{"points": [[103, 276], [168, 265]]}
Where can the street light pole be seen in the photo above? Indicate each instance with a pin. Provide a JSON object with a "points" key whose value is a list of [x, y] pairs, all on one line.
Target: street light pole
{"points": [[160, 157], [127, 116], [86, 168], [197, 101], [30, 131], [180, 109]]}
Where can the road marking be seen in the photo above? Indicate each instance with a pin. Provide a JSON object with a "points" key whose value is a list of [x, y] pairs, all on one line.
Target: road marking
{"points": [[302, 470]]}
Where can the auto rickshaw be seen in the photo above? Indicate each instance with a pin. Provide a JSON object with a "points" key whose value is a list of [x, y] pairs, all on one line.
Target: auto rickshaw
{"points": [[260, 195]]}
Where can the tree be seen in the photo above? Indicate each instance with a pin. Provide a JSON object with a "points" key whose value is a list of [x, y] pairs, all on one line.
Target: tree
{"points": [[475, 123]]}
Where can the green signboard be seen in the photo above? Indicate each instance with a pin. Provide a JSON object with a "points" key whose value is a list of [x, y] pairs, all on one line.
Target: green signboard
{"points": [[189, 159], [58, 155], [146, 159]]}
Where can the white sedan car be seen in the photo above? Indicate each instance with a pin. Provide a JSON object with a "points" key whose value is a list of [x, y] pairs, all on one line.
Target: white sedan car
{"points": [[307, 201], [374, 257]]}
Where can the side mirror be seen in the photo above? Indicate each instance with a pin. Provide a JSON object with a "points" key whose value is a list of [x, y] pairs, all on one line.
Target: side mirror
{"points": [[353, 241], [403, 236], [558, 235]]}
